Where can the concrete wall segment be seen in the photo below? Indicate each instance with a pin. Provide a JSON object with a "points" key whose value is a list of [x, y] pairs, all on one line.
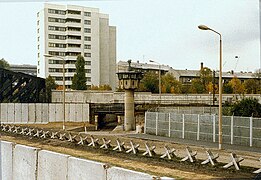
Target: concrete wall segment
{"points": [[52, 165], [25, 162], [6, 160], [82, 169]]}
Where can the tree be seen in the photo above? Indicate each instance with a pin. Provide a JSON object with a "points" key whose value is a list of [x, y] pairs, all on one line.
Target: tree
{"points": [[247, 107], [104, 87], [237, 86], [50, 84], [205, 75], [170, 84], [251, 85], [227, 88], [79, 78], [150, 82], [4, 64], [197, 86]]}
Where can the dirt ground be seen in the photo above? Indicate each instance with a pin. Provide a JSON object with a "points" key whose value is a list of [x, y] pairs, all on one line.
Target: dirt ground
{"points": [[155, 166]]}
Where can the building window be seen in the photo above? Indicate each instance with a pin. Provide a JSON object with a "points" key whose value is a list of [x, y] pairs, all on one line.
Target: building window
{"points": [[87, 54], [38, 54], [55, 28], [55, 53], [54, 11], [87, 14], [74, 29], [53, 36], [38, 30], [87, 22], [38, 22], [54, 61], [74, 37], [87, 46], [87, 30], [87, 38], [74, 12], [55, 70], [38, 47], [74, 45], [38, 39], [87, 70], [88, 63], [73, 20], [59, 20], [88, 79], [57, 45]]}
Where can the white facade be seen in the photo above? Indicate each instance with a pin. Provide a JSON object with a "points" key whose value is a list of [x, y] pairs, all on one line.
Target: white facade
{"points": [[65, 31]]}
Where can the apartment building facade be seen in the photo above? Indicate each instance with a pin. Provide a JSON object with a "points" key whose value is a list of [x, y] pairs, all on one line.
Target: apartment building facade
{"points": [[64, 32]]}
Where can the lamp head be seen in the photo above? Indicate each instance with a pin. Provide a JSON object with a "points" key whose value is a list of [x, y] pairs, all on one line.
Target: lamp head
{"points": [[203, 27]]}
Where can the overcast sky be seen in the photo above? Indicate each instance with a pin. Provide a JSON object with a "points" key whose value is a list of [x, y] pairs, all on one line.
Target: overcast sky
{"points": [[162, 30]]}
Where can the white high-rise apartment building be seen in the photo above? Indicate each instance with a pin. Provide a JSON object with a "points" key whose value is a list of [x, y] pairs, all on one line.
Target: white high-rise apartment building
{"points": [[64, 31]]}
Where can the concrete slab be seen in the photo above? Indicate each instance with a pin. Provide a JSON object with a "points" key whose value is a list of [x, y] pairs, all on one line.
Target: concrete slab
{"points": [[117, 173], [59, 113], [85, 112], [31, 113], [3, 115], [45, 113], [18, 112], [25, 110], [52, 112], [38, 112], [78, 111], [6, 160], [72, 113], [81, 169], [11, 112], [52, 165], [25, 162]]}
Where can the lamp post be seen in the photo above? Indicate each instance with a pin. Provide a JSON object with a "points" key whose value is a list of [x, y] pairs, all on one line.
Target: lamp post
{"points": [[203, 27], [159, 79], [48, 55]]}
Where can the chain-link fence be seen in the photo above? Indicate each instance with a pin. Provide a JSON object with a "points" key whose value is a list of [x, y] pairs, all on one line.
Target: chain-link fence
{"points": [[236, 130]]}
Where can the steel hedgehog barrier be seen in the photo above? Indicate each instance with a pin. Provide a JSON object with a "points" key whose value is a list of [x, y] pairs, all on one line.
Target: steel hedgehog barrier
{"points": [[91, 141]]}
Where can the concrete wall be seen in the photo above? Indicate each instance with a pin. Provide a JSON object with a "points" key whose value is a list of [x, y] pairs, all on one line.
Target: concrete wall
{"points": [[22, 113], [142, 97], [24, 162]]}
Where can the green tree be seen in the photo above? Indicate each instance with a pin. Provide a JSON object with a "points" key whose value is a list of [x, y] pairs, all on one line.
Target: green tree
{"points": [[79, 78], [50, 84], [150, 82], [251, 85], [205, 75], [170, 84], [247, 107], [197, 86], [4, 64], [227, 88]]}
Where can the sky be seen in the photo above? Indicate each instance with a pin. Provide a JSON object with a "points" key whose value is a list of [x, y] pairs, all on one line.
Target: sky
{"points": [[165, 31]]}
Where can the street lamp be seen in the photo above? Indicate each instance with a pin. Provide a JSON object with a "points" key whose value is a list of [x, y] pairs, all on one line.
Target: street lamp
{"points": [[48, 55], [203, 27], [159, 79]]}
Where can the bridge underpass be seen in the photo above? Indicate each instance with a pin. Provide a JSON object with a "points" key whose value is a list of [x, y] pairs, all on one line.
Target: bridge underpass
{"points": [[16, 87]]}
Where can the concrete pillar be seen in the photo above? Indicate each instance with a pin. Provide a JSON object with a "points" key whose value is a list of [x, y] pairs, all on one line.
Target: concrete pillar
{"points": [[129, 120]]}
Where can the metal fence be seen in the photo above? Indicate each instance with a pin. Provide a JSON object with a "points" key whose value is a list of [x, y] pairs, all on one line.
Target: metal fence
{"points": [[236, 130]]}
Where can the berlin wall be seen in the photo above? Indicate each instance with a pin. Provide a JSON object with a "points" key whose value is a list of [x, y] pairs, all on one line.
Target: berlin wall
{"points": [[23, 113], [25, 162]]}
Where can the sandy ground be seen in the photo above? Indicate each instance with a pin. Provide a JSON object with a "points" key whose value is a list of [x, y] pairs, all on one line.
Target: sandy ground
{"points": [[155, 166]]}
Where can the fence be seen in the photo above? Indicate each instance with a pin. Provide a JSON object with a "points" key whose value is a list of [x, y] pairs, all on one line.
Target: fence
{"points": [[236, 130], [42, 112]]}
